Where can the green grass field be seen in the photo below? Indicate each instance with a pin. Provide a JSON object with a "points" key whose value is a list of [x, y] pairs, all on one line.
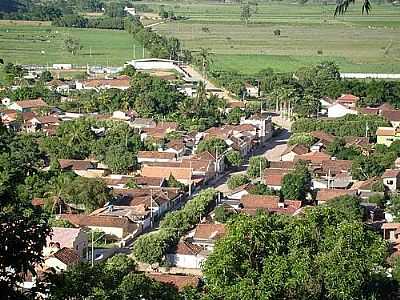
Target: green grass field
{"points": [[23, 43], [357, 43]]}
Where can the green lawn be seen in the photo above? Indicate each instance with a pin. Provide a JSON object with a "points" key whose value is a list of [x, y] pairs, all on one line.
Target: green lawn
{"points": [[357, 43], [39, 43]]}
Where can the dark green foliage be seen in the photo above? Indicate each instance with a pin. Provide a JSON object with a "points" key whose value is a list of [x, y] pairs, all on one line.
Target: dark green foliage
{"points": [[212, 145], [46, 76], [349, 125], [261, 189], [296, 184], [151, 248], [393, 206], [222, 214], [234, 116], [172, 182], [237, 180], [324, 254], [364, 167], [304, 139]]}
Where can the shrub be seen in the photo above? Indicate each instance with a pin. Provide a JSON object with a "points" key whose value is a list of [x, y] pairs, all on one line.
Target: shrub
{"points": [[277, 32], [237, 180]]}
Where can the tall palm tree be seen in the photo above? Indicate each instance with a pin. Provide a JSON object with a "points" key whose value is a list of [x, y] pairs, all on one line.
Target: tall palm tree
{"points": [[342, 5], [204, 59]]}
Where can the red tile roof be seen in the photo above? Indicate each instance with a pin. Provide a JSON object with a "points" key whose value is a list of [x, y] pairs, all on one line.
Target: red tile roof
{"points": [[156, 155], [329, 194], [259, 201], [391, 173], [281, 165], [348, 98], [119, 82], [75, 164], [297, 149], [37, 201], [186, 248], [336, 166], [323, 136], [37, 103], [315, 158], [100, 221], [391, 115], [67, 256], [209, 231], [165, 172]]}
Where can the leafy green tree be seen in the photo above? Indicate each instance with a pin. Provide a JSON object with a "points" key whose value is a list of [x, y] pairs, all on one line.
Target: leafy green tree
{"points": [[212, 145], [119, 160], [305, 139], [46, 76], [72, 45], [296, 184], [234, 116], [91, 192], [60, 223], [261, 189], [393, 206], [234, 158], [257, 165], [172, 182], [324, 254], [222, 214], [237, 180], [129, 70]]}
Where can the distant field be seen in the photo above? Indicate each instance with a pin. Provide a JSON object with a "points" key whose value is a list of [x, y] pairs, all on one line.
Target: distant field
{"points": [[40, 43], [357, 43]]}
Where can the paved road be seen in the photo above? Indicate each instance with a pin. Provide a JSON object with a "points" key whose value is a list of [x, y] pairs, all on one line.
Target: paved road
{"points": [[272, 151]]}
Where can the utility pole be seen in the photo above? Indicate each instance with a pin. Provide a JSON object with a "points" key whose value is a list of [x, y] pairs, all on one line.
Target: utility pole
{"points": [[190, 178], [151, 208]]}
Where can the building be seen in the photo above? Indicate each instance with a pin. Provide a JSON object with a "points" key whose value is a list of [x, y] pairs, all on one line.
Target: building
{"points": [[178, 281], [325, 195], [387, 135], [155, 156], [71, 238], [118, 227], [250, 204], [84, 168], [186, 255], [393, 116], [338, 110], [292, 151], [121, 83], [391, 179], [348, 100], [28, 105], [205, 235], [62, 259]]}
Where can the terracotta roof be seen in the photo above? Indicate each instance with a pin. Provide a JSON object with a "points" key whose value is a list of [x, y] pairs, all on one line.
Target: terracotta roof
{"points": [[157, 133], [289, 165], [314, 157], [389, 173], [48, 119], [391, 115], [156, 155], [178, 281], [119, 82], [390, 225], [348, 98], [143, 181], [176, 145], [67, 256], [37, 103], [357, 141], [186, 248], [64, 236], [323, 136], [165, 172], [297, 149], [74, 164], [100, 221], [369, 110], [336, 166], [274, 177], [329, 194], [209, 231], [386, 131], [135, 197], [259, 201], [365, 185]]}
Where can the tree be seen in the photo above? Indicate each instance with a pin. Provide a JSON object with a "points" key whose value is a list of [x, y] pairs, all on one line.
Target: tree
{"points": [[257, 164], [296, 184], [342, 5], [305, 139], [172, 182], [46, 76], [213, 145], [119, 160], [72, 45], [261, 189], [245, 13], [222, 214], [204, 60], [393, 206], [91, 192], [234, 158], [323, 254], [129, 70], [237, 180]]}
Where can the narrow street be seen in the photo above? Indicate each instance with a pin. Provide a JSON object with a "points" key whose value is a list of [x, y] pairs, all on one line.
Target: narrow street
{"points": [[272, 151]]}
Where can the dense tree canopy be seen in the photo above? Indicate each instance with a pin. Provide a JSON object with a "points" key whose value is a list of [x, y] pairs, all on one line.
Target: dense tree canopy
{"points": [[307, 257]]}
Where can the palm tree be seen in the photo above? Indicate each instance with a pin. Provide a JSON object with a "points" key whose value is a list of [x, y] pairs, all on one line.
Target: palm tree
{"points": [[204, 59], [342, 5]]}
